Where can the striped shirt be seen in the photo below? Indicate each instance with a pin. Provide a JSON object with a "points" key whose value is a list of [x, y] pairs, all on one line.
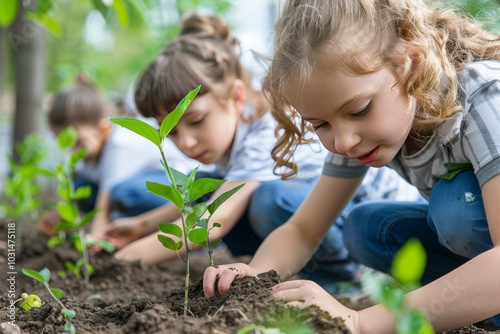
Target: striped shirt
{"points": [[471, 136]]}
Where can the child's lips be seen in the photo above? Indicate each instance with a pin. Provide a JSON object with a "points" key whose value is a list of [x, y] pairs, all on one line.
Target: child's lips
{"points": [[368, 158]]}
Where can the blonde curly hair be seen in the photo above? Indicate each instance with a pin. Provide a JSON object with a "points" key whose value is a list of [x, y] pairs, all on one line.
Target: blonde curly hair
{"points": [[425, 47]]}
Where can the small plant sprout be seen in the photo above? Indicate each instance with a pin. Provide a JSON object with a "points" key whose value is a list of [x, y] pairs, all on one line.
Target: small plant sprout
{"points": [[407, 269], [43, 276], [184, 191], [67, 207], [30, 301]]}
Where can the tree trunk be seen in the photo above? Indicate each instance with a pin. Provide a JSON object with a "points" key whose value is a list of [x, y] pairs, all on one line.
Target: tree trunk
{"points": [[3, 65], [28, 42]]}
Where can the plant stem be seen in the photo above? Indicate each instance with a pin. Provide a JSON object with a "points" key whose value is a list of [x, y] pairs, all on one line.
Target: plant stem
{"points": [[85, 254], [169, 172], [53, 296]]}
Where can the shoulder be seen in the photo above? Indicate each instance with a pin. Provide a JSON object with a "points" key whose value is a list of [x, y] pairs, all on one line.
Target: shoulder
{"points": [[477, 76]]}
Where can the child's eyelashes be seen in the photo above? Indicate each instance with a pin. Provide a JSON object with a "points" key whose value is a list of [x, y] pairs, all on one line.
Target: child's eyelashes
{"points": [[364, 111], [316, 127]]}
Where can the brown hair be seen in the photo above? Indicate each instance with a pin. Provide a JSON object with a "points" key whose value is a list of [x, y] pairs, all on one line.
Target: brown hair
{"points": [[206, 54], [78, 104], [362, 36]]}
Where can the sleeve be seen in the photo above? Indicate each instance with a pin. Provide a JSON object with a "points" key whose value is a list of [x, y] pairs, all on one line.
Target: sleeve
{"points": [[339, 166], [251, 158], [481, 135], [125, 155]]}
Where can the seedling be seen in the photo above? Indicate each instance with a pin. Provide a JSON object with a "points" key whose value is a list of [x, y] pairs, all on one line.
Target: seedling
{"points": [[407, 269], [30, 301], [184, 191], [72, 220], [43, 276]]}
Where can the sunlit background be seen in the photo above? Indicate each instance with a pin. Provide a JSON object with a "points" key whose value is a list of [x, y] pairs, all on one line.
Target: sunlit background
{"points": [[111, 41]]}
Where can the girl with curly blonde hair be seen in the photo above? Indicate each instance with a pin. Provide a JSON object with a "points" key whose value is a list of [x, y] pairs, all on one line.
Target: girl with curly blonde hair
{"points": [[397, 83]]}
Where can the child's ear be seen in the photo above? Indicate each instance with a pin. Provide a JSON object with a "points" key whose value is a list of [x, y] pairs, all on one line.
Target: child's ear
{"points": [[105, 127], [238, 94]]}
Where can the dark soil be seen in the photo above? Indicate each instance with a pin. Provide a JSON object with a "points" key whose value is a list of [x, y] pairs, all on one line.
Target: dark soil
{"points": [[124, 298]]}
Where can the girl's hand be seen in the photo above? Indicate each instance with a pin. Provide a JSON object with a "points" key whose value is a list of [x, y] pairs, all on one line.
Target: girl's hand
{"points": [[304, 293], [123, 231], [226, 275]]}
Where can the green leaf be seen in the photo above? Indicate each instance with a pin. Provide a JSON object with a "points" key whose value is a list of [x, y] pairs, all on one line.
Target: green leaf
{"points": [[53, 241], [193, 217], [83, 192], [202, 187], [171, 228], [198, 235], [413, 322], [169, 243], [192, 177], [165, 191], [456, 167], [8, 12], [68, 314], [409, 262], [67, 138], [57, 292], [215, 243], [45, 274], [34, 274], [107, 246], [180, 178], [172, 118], [121, 12], [101, 7], [141, 128], [87, 218], [76, 157], [67, 211], [222, 198], [46, 21]]}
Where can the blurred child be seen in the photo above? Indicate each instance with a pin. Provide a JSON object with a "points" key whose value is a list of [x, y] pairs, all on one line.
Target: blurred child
{"points": [[117, 165]]}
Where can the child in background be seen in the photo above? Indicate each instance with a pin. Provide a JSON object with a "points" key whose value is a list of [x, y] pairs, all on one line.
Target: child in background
{"points": [[402, 84], [117, 165], [228, 124]]}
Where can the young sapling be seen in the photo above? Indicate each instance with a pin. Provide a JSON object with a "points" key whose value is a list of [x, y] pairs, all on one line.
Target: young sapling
{"points": [[43, 276], [184, 192], [73, 221], [407, 269]]}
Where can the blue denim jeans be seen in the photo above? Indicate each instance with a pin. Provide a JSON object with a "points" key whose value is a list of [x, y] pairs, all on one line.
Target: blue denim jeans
{"points": [[452, 228], [273, 203]]}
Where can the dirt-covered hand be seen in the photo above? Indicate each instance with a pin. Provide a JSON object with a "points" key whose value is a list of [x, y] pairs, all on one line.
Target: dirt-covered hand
{"points": [[46, 224], [123, 231], [223, 276], [303, 293]]}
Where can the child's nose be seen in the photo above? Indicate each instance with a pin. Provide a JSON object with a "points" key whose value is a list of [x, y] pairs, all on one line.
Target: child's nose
{"points": [[187, 141], [345, 141]]}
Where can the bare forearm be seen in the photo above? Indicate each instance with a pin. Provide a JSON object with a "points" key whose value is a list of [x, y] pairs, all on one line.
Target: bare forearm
{"points": [[164, 214], [466, 295], [284, 251]]}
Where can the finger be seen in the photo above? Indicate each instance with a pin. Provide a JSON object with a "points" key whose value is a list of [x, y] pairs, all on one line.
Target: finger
{"points": [[209, 277], [295, 284], [226, 278]]}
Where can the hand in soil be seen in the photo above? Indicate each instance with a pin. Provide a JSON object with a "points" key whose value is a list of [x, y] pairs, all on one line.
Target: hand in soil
{"points": [[123, 231], [303, 293], [223, 275], [46, 224]]}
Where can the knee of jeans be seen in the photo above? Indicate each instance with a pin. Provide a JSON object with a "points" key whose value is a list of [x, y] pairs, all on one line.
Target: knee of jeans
{"points": [[353, 231], [267, 209]]}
